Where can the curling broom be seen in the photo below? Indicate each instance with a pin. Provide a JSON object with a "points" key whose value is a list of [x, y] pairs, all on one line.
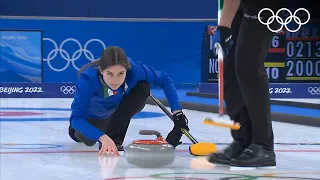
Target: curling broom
{"points": [[222, 121], [197, 148]]}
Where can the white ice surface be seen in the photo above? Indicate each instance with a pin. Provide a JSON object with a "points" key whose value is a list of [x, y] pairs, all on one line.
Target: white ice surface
{"points": [[42, 150]]}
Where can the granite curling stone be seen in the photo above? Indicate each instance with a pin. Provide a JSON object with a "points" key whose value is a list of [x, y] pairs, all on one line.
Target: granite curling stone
{"points": [[150, 153]]}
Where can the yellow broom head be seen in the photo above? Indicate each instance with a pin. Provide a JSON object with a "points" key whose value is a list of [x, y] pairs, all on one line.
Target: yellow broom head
{"points": [[225, 124], [202, 149]]}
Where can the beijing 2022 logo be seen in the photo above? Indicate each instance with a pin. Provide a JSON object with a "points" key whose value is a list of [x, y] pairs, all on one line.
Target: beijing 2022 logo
{"points": [[287, 20]]}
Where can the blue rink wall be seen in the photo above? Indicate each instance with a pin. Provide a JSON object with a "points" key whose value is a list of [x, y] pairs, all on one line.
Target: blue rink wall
{"points": [[186, 9], [173, 47]]}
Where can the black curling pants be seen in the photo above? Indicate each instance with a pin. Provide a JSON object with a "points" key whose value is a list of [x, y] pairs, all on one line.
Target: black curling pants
{"points": [[246, 85], [117, 124]]}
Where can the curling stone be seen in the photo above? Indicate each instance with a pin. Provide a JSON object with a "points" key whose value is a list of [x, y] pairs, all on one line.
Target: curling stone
{"points": [[150, 153]]}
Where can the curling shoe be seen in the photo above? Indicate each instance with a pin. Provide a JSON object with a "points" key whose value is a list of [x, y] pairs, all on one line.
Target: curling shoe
{"points": [[254, 157], [224, 157], [119, 146]]}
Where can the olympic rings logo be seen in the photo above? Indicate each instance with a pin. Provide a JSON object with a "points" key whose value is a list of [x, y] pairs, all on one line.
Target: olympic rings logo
{"points": [[314, 90], [70, 58], [286, 21], [68, 89]]}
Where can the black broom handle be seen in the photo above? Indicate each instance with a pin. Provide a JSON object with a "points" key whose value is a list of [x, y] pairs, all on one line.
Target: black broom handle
{"points": [[165, 110]]}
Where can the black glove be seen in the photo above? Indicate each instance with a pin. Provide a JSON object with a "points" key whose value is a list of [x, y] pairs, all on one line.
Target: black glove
{"points": [[174, 137], [223, 36], [180, 121]]}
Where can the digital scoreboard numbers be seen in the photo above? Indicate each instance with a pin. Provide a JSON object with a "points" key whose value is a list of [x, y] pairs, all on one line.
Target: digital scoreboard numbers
{"points": [[294, 57], [275, 61], [303, 55]]}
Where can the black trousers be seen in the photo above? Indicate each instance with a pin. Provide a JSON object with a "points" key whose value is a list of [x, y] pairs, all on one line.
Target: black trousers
{"points": [[117, 124], [246, 85]]}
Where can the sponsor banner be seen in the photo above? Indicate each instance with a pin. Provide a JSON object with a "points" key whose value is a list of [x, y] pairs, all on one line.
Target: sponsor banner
{"points": [[67, 90], [37, 90], [292, 90]]}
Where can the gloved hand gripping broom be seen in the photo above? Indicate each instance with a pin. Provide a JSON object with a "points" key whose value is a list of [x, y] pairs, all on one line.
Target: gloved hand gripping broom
{"points": [[222, 121], [197, 148]]}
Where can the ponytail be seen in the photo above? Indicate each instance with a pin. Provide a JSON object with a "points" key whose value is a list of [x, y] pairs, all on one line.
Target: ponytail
{"points": [[97, 63]]}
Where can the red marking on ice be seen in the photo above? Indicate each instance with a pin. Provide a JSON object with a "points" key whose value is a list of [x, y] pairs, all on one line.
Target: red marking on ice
{"points": [[149, 177], [180, 151], [18, 113]]}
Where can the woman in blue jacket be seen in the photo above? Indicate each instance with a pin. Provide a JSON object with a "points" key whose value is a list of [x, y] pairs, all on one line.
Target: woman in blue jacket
{"points": [[112, 90]]}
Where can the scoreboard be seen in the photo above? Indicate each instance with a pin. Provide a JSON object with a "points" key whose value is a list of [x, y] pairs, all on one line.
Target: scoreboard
{"points": [[294, 57]]}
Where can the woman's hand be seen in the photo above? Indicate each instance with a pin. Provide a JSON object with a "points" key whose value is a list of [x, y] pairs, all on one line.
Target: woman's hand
{"points": [[108, 146]]}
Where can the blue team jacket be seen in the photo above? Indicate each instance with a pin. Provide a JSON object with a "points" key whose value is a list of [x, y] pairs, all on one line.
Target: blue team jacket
{"points": [[93, 99]]}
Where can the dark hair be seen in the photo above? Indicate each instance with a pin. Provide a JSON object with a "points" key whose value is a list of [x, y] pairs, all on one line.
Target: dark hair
{"points": [[112, 55]]}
